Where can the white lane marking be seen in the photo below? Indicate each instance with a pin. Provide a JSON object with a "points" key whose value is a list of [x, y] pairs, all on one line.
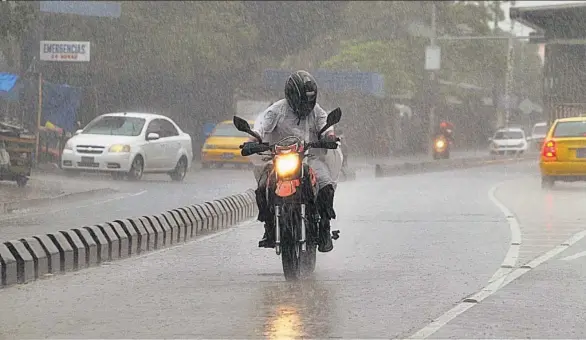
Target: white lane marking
{"points": [[6, 218], [492, 288], [575, 256], [513, 253]]}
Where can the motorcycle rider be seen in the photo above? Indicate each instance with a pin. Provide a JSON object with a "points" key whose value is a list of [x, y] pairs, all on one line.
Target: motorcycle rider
{"points": [[446, 129], [297, 115]]}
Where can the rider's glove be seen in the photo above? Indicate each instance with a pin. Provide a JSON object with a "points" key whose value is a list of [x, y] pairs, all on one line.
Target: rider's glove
{"points": [[330, 141], [330, 138]]}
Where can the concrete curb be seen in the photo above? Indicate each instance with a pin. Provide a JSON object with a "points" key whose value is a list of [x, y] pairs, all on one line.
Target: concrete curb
{"points": [[382, 170], [37, 257], [8, 207]]}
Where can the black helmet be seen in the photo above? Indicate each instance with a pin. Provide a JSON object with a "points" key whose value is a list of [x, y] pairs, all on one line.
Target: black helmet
{"points": [[301, 93]]}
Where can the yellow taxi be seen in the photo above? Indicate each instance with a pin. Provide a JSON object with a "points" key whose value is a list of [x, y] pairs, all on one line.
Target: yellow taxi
{"points": [[223, 146], [563, 153]]}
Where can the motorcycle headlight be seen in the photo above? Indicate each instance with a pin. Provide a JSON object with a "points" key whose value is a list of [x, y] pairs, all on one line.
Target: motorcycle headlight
{"points": [[286, 165], [440, 144], [119, 148]]}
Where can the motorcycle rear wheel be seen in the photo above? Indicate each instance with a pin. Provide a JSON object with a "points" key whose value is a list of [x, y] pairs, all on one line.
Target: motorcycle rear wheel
{"points": [[308, 259]]}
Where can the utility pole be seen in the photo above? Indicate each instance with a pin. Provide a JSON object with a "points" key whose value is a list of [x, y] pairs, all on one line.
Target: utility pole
{"points": [[509, 77], [432, 64]]}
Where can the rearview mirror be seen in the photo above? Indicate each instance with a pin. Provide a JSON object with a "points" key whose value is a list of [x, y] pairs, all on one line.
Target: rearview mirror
{"points": [[153, 136], [243, 126], [78, 132], [333, 119]]}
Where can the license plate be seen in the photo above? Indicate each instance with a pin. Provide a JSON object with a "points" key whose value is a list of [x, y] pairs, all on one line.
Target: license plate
{"points": [[87, 160], [228, 156], [581, 153]]}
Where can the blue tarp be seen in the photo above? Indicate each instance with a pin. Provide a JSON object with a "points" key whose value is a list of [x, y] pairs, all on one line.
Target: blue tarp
{"points": [[60, 105], [10, 87], [7, 81]]}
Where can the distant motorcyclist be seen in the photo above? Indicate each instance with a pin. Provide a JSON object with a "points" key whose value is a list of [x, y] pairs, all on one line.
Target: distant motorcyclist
{"points": [[446, 129], [297, 115]]}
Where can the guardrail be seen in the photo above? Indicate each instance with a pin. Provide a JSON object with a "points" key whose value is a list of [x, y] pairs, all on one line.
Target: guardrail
{"points": [[384, 170], [36, 257]]}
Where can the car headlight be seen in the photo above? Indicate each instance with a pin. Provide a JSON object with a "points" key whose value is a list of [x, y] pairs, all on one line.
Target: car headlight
{"points": [[286, 165], [209, 146], [68, 146], [119, 148]]}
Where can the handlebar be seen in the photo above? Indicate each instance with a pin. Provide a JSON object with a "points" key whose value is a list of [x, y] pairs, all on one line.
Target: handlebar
{"points": [[250, 148]]}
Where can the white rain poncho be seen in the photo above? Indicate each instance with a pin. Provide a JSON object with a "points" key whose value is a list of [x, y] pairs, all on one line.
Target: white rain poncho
{"points": [[279, 121]]}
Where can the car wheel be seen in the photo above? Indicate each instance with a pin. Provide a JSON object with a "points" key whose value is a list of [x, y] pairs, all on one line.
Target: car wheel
{"points": [[21, 181], [180, 170], [547, 182], [136, 169]]}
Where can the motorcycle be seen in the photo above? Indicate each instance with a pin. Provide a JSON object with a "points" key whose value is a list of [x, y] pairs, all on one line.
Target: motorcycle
{"points": [[292, 196], [441, 147]]}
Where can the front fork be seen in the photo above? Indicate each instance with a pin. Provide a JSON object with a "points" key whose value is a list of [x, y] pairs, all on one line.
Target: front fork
{"points": [[278, 229]]}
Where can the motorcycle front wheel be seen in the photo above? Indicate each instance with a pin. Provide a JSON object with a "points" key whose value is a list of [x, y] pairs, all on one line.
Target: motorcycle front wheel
{"points": [[291, 261]]}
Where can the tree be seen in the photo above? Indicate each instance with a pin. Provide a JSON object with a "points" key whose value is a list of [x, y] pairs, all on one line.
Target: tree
{"points": [[286, 27], [15, 19]]}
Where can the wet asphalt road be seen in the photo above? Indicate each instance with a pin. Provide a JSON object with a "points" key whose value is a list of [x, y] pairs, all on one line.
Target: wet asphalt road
{"points": [[411, 248], [153, 195]]}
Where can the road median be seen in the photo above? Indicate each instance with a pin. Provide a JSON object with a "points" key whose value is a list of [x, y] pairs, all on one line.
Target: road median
{"points": [[407, 168], [40, 256]]}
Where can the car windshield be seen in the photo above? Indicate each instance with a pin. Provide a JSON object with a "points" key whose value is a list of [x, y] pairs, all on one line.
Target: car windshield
{"points": [[228, 130], [115, 126], [570, 129], [508, 135], [540, 130]]}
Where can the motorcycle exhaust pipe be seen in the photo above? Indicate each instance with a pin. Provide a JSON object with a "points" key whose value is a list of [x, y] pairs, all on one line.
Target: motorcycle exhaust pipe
{"points": [[277, 230], [303, 245]]}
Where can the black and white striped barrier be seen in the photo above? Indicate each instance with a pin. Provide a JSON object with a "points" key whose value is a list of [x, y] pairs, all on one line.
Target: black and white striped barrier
{"points": [[35, 257]]}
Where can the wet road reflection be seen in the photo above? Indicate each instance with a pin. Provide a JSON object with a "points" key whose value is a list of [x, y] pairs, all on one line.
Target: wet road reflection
{"points": [[297, 310]]}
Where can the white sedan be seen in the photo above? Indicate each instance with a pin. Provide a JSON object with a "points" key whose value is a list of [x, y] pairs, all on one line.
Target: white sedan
{"points": [[129, 144], [511, 140]]}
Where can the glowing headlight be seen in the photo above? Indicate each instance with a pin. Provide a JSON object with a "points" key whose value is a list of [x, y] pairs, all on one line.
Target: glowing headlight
{"points": [[440, 144], [119, 148], [287, 164]]}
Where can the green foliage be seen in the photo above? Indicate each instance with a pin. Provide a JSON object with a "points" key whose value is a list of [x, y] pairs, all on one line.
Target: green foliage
{"points": [[393, 59], [188, 37], [15, 18], [285, 27], [390, 37]]}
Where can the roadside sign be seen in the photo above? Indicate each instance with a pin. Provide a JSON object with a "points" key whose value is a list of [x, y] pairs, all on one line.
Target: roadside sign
{"points": [[108, 9], [432, 58], [73, 51]]}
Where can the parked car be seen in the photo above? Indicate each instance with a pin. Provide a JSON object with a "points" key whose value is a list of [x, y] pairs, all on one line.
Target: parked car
{"points": [[563, 156], [538, 135], [508, 140], [129, 144], [223, 146]]}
